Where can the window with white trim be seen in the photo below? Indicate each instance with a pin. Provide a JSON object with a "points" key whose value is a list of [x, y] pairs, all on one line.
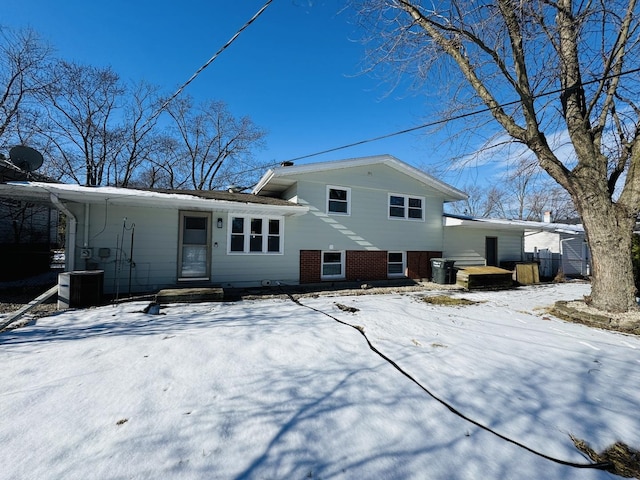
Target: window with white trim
{"points": [[396, 264], [255, 234], [406, 207], [338, 200], [332, 265]]}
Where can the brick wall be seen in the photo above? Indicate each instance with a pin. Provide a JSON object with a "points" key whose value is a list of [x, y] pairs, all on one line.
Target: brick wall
{"points": [[310, 265], [366, 265], [419, 264]]}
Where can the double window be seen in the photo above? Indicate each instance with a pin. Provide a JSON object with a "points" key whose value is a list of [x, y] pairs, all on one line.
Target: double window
{"points": [[338, 200], [255, 235], [406, 207], [332, 265]]}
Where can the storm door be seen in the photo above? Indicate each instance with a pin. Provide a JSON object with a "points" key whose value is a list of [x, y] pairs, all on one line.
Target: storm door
{"points": [[194, 252]]}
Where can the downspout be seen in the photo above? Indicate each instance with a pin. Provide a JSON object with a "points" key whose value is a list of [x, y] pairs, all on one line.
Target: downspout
{"points": [[86, 226], [70, 249]]}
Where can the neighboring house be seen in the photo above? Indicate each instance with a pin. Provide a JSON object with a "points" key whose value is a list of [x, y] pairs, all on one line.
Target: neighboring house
{"points": [[362, 219], [474, 241], [558, 247]]}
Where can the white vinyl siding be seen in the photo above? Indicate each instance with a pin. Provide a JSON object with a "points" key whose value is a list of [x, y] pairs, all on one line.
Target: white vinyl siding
{"points": [[369, 226], [467, 245]]}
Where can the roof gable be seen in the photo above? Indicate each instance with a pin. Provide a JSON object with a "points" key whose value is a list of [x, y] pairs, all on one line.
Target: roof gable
{"points": [[275, 181]]}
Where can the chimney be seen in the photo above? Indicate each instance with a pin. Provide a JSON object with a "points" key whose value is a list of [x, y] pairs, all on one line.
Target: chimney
{"points": [[546, 218]]}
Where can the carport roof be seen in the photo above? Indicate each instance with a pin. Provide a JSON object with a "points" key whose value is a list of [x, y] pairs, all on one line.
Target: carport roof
{"points": [[40, 192]]}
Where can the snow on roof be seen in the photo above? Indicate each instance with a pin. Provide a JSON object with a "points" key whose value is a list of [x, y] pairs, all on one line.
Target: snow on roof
{"points": [[220, 200], [453, 220]]}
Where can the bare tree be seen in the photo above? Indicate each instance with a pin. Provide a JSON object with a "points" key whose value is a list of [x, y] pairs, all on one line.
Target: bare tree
{"points": [[481, 202], [163, 167], [217, 148], [539, 67], [139, 141], [82, 102], [23, 55]]}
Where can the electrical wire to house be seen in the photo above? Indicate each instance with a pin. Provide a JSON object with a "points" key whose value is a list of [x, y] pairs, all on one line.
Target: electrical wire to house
{"points": [[453, 118], [166, 103]]}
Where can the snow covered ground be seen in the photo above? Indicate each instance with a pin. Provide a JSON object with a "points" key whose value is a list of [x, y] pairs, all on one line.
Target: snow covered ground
{"points": [[272, 389]]}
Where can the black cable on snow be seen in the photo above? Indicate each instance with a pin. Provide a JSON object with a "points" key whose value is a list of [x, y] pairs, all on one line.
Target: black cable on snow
{"points": [[599, 466]]}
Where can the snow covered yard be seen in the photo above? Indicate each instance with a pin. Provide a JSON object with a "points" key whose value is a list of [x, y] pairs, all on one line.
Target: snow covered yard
{"points": [[272, 389]]}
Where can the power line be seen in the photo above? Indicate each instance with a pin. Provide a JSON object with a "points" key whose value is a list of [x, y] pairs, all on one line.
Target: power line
{"points": [[449, 119], [208, 62]]}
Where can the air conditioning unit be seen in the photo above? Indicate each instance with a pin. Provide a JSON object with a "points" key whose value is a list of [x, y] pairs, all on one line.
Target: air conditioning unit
{"points": [[80, 289]]}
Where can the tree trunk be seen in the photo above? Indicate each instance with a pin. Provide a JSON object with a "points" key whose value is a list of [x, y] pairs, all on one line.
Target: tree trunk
{"points": [[610, 233]]}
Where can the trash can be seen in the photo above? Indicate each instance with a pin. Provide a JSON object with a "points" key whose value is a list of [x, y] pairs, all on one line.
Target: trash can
{"points": [[443, 271]]}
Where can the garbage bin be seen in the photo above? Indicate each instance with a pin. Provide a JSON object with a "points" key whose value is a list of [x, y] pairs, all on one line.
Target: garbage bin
{"points": [[442, 271]]}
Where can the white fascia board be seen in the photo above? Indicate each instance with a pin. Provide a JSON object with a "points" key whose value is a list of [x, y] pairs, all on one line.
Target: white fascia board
{"points": [[263, 181], [452, 193]]}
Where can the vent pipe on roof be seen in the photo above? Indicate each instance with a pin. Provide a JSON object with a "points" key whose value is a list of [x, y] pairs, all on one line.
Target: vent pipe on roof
{"points": [[546, 218]]}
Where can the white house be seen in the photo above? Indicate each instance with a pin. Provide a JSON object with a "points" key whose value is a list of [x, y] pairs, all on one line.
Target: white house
{"points": [[364, 219]]}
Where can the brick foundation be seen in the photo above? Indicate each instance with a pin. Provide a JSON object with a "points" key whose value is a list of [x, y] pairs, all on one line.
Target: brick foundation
{"points": [[366, 265], [363, 265], [310, 266]]}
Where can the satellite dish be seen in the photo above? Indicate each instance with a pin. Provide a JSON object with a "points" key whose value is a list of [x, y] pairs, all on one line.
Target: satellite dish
{"points": [[26, 158]]}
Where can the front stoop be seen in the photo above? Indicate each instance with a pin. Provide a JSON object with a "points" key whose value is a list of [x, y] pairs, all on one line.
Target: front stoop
{"points": [[190, 295]]}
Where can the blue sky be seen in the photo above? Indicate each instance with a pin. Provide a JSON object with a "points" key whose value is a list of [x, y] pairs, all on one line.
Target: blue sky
{"points": [[295, 71]]}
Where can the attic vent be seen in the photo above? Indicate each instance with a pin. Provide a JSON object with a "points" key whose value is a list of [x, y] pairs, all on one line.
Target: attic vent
{"points": [[286, 164], [234, 189]]}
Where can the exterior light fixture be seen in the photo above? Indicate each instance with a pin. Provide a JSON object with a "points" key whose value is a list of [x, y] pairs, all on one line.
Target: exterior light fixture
{"points": [[219, 222]]}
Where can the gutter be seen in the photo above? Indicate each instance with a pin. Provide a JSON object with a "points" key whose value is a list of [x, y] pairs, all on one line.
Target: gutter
{"points": [[70, 249]]}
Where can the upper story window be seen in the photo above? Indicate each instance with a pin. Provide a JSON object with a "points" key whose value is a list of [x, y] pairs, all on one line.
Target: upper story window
{"points": [[338, 200], [255, 235], [405, 206]]}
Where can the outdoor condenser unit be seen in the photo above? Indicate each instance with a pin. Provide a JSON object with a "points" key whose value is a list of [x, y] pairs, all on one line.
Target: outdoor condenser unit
{"points": [[80, 288]]}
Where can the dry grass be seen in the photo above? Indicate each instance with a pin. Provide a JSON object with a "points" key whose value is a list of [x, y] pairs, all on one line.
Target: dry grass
{"points": [[447, 301], [623, 460]]}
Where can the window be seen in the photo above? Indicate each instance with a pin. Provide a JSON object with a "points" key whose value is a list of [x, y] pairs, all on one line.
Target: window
{"points": [[255, 235], [404, 206], [332, 265], [338, 200], [395, 264]]}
